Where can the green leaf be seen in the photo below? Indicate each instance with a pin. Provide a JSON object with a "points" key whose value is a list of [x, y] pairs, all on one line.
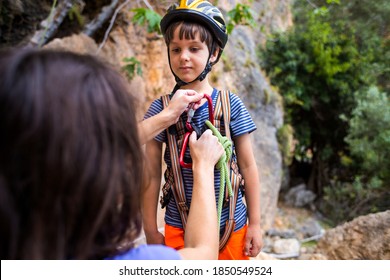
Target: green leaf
{"points": [[132, 67], [241, 14], [151, 19]]}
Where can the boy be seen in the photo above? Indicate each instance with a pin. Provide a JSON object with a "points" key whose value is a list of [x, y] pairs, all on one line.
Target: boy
{"points": [[195, 35]]}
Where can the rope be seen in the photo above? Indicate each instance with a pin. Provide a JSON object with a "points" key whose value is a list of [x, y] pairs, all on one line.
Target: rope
{"points": [[222, 166]]}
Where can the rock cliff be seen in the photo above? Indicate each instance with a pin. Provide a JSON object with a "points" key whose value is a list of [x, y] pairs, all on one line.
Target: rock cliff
{"points": [[238, 70]]}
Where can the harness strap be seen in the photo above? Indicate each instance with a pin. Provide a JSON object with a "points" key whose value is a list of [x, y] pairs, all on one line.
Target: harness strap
{"points": [[234, 178], [218, 116], [178, 188]]}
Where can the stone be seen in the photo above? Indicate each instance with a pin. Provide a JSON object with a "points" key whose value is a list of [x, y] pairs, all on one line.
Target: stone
{"points": [[286, 246], [363, 238], [299, 196]]}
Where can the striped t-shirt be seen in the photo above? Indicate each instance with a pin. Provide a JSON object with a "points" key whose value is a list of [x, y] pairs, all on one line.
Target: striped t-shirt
{"points": [[240, 123]]}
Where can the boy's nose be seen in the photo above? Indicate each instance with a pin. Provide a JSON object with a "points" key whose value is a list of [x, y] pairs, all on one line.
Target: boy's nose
{"points": [[185, 55]]}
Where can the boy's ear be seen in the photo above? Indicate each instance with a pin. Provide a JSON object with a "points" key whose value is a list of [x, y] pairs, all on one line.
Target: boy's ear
{"points": [[214, 56]]}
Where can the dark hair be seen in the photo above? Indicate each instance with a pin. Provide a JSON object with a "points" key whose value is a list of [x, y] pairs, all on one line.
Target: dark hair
{"points": [[188, 30], [70, 157]]}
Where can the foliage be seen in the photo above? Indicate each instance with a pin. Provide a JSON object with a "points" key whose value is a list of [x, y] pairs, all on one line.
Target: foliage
{"points": [[332, 52], [286, 143], [368, 139], [369, 133], [316, 68], [132, 67], [344, 201], [75, 13], [143, 16], [370, 21], [241, 14]]}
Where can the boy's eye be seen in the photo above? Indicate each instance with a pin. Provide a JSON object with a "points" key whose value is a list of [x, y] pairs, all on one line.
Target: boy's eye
{"points": [[175, 50], [194, 49]]}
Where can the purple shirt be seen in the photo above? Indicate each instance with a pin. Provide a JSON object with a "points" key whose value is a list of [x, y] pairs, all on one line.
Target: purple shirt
{"points": [[149, 252]]}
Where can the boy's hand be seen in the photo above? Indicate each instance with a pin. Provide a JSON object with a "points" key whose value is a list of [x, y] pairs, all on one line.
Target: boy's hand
{"points": [[253, 241], [155, 238]]}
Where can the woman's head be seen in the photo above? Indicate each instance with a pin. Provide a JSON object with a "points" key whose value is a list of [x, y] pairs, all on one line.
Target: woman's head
{"points": [[70, 157]]}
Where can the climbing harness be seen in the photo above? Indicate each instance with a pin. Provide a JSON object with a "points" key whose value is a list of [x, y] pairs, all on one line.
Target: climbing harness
{"points": [[191, 127], [173, 176]]}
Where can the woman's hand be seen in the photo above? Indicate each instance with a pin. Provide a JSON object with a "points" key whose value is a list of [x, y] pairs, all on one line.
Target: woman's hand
{"points": [[205, 151], [181, 101], [202, 217]]}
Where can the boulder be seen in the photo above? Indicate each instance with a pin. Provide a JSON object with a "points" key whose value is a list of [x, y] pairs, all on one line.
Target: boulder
{"points": [[364, 238]]}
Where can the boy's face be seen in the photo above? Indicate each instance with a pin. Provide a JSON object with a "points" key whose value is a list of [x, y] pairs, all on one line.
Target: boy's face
{"points": [[188, 58]]}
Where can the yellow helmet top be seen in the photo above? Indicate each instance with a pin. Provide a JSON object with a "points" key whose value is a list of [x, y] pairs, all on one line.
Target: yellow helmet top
{"points": [[199, 11]]}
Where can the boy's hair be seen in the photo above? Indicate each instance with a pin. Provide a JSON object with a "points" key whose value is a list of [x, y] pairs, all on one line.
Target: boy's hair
{"points": [[202, 12], [70, 157], [188, 30]]}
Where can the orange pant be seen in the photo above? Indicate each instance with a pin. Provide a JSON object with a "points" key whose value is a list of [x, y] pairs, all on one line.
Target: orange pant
{"points": [[234, 249]]}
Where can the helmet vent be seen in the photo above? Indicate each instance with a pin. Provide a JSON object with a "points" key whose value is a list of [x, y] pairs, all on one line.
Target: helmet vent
{"points": [[220, 20], [202, 5]]}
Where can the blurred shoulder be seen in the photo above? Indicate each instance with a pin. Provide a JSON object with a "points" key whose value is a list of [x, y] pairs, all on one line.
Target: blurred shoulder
{"points": [[149, 252]]}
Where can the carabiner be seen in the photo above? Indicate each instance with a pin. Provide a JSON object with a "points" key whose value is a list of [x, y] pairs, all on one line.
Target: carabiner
{"points": [[190, 129]]}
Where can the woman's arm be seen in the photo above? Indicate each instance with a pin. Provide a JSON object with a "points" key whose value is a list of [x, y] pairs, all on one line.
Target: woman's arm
{"points": [[150, 127], [201, 238], [151, 191], [248, 169]]}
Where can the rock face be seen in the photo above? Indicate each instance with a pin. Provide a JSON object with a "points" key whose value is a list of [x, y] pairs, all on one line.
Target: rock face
{"points": [[364, 238], [238, 71], [250, 84], [299, 196]]}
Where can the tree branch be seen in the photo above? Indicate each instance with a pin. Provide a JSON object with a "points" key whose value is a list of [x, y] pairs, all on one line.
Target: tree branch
{"points": [[148, 5], [52, 22], [111, 25], [97, 23], [312, 4]]}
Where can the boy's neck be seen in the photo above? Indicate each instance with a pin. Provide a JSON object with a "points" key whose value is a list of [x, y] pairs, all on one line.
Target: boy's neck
{"points": [[200, 87]]}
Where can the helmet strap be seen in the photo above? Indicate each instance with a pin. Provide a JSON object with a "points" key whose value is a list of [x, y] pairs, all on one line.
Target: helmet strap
{"points": [[208, 66], [204, 73]]}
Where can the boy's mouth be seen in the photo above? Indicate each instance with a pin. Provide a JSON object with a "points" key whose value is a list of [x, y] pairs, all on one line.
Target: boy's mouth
{"points": [[185, 69]]}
